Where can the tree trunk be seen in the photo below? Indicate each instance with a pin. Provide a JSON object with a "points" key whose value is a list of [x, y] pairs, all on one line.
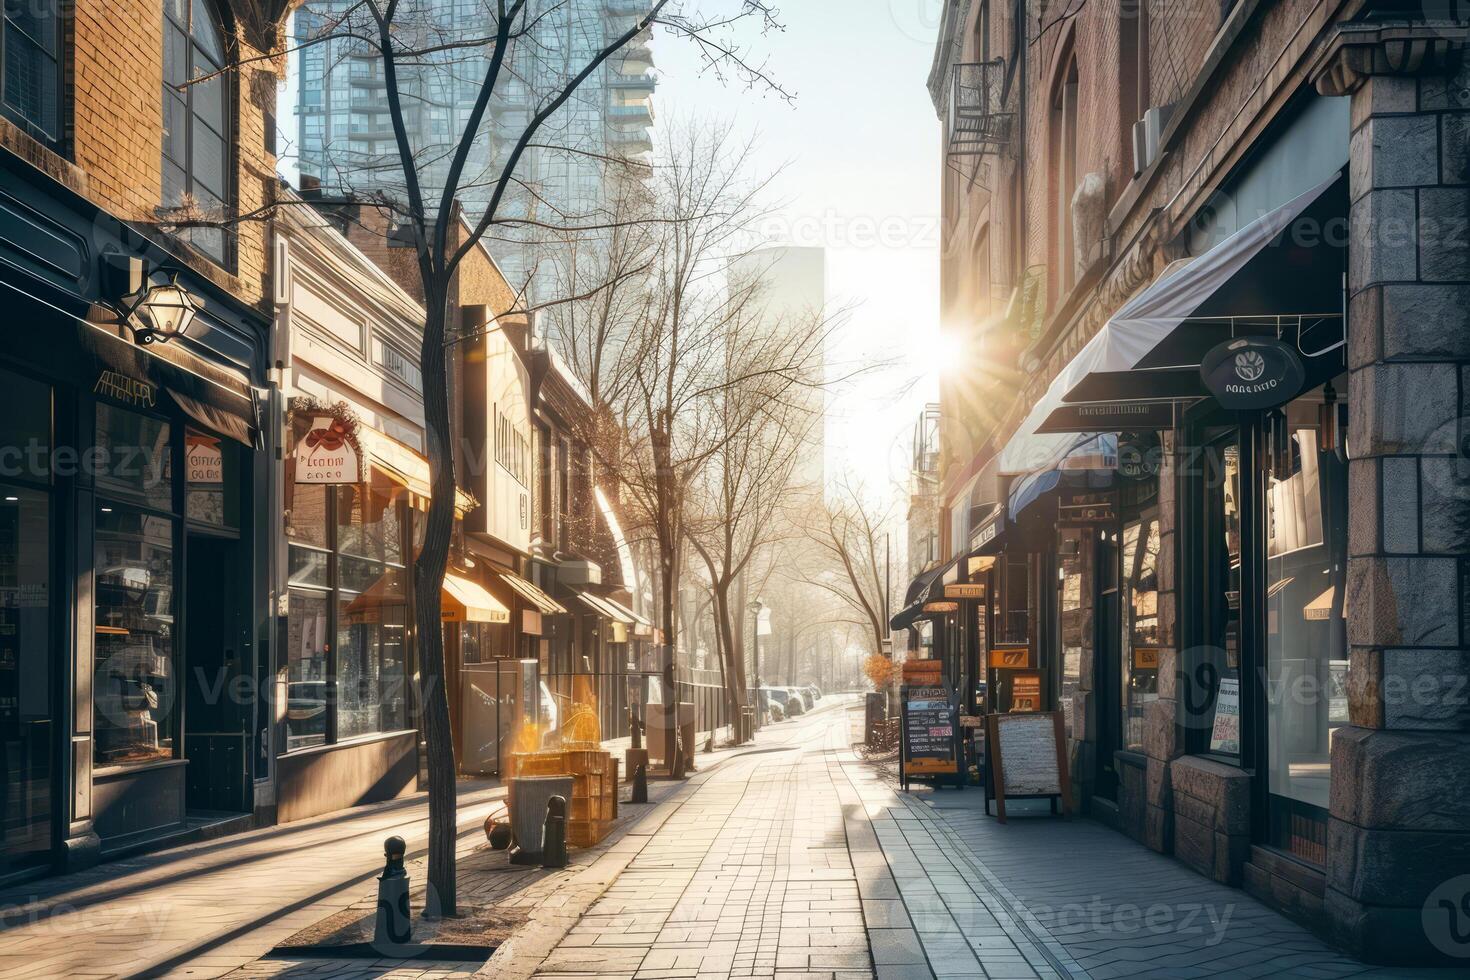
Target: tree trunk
{"points": [[428, 585], [734, 670]]}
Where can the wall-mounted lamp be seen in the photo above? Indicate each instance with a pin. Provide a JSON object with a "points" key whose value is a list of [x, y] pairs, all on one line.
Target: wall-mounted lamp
{"points": [[152, 311]]}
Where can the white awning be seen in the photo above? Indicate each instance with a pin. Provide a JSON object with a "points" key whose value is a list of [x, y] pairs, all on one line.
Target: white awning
{"points": [[1141, 324]]}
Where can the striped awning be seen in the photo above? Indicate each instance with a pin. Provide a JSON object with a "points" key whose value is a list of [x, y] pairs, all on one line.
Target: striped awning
{"points": [[544, 603]]}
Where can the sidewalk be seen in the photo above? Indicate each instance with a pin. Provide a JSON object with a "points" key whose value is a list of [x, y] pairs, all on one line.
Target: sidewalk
{"points": [[1045, 897]]}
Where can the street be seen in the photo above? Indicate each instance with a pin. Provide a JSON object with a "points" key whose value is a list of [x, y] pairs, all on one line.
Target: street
{"points": [[790, 858]]}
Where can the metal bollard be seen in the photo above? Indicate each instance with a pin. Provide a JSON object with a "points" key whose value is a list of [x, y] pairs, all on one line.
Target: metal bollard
{"points": [[393, 925], [640, 785], [554, 842]]}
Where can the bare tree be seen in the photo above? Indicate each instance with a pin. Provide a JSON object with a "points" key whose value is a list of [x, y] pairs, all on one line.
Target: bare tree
{"points": [[851, 536], [675, 358], [762, 424], [420, 46]]}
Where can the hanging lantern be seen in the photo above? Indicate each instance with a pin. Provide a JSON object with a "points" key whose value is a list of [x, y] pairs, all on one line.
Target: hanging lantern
{"points": [[159, 312]]}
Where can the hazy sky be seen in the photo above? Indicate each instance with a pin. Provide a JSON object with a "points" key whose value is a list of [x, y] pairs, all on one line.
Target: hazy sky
{"points": [[860, 151]]}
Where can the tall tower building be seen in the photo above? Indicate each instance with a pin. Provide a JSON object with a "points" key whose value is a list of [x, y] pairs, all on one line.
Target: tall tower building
{"points": [[344, 135]]}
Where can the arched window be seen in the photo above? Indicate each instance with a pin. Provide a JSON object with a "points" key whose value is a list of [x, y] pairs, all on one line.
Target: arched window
{"points": [[195, 118]]}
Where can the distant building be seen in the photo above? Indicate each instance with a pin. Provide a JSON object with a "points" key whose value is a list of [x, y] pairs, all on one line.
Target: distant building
{"points": [[794, 287]]}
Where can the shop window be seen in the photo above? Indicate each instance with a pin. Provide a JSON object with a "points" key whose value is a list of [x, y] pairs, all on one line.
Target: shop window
{"points": [[1305, 510], [25, 430], [348, 612], [1014, 624], [1141, 638], [135, 455], [308, 686], [135, 667], [30, 86], [1214, 688], [196, 146], [27, 677], [1074, 612]]}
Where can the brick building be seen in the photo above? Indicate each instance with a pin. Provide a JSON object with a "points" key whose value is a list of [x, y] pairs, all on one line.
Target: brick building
{"points": [[1205, 264], [134, 267]]}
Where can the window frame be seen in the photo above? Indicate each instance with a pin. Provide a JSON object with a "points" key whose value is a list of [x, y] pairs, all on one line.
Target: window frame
{"points": [[227, 190], [334, 594], [57, 53]]}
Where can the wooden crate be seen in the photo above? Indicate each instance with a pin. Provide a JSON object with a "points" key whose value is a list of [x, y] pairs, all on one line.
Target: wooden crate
{"points": [[585, 833]]}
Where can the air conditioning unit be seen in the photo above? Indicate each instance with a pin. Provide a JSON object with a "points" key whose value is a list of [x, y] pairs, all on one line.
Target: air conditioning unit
{"points": [[1148, 135]]}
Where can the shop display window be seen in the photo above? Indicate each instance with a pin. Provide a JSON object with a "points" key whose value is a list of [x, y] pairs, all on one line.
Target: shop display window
{"points": [[348, 613], [1141, 637], [211, 479], [1213, 690], [1305, 512], [134, 455], [135, 657], [1074, 612]]}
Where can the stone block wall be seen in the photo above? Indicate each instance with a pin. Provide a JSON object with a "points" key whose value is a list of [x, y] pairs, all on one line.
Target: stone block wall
{"points": [[1399, 833], [1211, 817]]}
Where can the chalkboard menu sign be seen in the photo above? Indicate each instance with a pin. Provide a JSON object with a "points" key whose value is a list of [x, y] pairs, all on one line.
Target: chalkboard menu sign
{"points": [[1028, 759], [930, 745]]}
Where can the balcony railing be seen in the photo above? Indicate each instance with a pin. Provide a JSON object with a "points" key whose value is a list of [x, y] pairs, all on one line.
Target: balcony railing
{"points": [[979, 118]]}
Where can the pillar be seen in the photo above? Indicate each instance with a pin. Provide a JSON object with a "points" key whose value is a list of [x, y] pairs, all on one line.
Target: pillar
{"points": [[1399, 831]]}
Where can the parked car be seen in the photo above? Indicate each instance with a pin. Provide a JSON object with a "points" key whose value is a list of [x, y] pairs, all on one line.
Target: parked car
{"points": [[774, 701], [798, 696], [782, 698], [815, 693]]}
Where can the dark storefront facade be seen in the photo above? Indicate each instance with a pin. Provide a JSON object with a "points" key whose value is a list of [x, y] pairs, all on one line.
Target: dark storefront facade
{"points": [[127, 684]]}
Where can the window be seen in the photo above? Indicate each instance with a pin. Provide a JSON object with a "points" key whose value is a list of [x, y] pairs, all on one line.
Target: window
{"points": [[30, 86], [195, 119], [1140, 608], [347, 613], [1305, 510], [1133, 53], [135, 665], [1216, 675], [1064, 177]]}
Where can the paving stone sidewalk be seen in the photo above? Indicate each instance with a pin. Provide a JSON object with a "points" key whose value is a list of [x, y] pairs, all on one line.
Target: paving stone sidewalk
{"points": [[1045, 897]]}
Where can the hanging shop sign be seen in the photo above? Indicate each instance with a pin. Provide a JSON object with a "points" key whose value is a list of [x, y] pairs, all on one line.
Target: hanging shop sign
{"points": [[965, 590], [1139, 457], [923, 672], [941, 607], [1086, 508], [1009, 658], [329, 451], [1252, 372]]}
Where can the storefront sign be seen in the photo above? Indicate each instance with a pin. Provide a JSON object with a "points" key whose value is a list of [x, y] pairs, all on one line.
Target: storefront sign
{"points": [[1109, 417], [1010, 657], [205, 459], [965, 590], [929, 723], [941, 607], [1145, 658], [327, 453], [1026, 691], [1028, 758], [986, 533], [922, 672], [130, 391], [1225, 735], [1252, 372]]}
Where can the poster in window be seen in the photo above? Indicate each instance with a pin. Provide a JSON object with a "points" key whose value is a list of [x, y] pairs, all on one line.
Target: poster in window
{"points": [[1026, 691], [1225, 735]]}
